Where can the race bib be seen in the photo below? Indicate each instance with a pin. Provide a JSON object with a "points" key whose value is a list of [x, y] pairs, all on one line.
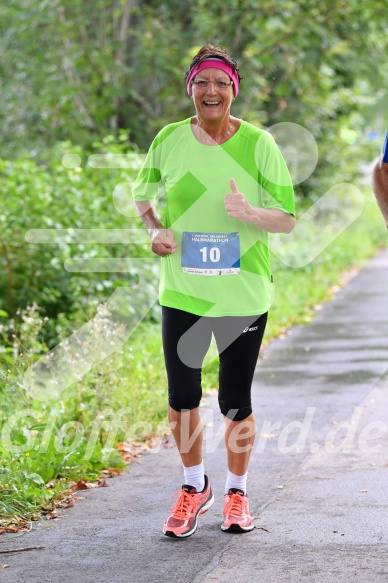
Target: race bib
{"points": [[211, 253]]}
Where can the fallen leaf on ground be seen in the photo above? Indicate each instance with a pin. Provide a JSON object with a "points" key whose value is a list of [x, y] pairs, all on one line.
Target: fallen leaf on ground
{"points": [[363, 490], [102, 483], [16, 524], [82, 485], [4, 566], [112, 472], [66, 503], [133, 449]]}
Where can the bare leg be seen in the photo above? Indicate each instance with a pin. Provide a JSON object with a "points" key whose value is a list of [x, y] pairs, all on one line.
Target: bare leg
{"points": [[186, 428], [239, 440]]}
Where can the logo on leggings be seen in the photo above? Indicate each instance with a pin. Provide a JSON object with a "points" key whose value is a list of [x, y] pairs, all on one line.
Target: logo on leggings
{"points": [[250, 329]]}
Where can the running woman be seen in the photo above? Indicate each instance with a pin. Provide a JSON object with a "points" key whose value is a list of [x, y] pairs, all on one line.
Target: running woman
{"points": [[223, 187]]}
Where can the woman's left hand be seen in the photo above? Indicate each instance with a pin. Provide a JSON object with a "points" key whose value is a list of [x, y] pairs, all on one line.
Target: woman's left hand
{"points": [[236, 204]]}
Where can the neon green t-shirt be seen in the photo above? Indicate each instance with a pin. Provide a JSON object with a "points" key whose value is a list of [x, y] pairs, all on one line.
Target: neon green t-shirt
{"points": [[221, 267]]}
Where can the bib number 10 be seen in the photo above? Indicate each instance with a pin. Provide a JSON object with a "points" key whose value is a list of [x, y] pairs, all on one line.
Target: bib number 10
{"points": [[214, 254], [210, 253]]}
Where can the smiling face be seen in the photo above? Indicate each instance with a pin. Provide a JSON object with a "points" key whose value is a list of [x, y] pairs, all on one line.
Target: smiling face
{"points": [[213, 102]]}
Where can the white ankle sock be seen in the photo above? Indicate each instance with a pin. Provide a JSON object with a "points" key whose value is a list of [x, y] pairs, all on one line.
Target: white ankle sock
{"points": [[195, 476], [233, 481]]}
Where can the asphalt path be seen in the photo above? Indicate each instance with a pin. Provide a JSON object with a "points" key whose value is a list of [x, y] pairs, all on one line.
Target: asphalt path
{"points": [[318, 478]]}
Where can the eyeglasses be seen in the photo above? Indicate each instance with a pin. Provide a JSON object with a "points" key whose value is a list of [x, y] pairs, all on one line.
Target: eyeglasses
{"points": [[222, 85]]}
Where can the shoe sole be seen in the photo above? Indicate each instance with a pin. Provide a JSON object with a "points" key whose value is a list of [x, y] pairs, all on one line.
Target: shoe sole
{"points": [[236, 528], [202, 510]]}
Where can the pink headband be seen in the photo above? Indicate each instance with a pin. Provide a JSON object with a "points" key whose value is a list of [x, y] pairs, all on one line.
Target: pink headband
{"points": [[214, 64]]}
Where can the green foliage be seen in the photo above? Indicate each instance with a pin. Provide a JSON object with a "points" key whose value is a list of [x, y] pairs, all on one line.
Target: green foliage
{"points": [[52, 196], [46, 442], [120, 65]]}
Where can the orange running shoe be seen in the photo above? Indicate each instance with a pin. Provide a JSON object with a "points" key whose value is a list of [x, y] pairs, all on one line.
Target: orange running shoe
{"points": [[183, 517], [236, 512]]}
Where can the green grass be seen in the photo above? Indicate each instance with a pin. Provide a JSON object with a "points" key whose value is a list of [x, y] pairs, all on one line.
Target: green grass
{"points": [[297, 291], [125, 396]]}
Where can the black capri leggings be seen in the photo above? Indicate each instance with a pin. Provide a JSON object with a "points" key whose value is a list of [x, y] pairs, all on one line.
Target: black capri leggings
{"points": [[186, 340]]}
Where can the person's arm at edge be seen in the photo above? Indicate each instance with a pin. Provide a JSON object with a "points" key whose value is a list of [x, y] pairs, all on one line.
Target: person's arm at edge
{"points": [[380, 186], [380, 180]]}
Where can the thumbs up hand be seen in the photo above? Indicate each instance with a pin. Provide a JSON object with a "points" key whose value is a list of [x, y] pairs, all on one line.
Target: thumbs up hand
{"points": [[237, 206]]}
